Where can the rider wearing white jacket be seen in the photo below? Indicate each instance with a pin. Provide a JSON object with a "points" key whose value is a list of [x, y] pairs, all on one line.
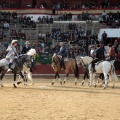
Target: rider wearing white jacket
{"points": [[12, 52]]}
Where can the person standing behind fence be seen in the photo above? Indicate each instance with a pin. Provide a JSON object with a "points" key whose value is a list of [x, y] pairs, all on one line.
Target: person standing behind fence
{"points": [[104, 38], [111, 52]]}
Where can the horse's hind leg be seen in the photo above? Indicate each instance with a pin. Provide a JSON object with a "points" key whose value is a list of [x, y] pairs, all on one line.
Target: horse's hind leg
{"points": [[94, 81], [1, 77], [106, 80]]}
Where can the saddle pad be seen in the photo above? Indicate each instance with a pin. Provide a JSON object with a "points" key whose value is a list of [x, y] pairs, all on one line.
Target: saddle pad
{"points": [[3, 62], [65, 59], [99, 62]]}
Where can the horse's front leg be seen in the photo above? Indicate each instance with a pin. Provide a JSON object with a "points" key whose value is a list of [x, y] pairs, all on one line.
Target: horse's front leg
{"points": [[56, 75], [90, 79], [23, 77], [14, 84], [29, 76]]}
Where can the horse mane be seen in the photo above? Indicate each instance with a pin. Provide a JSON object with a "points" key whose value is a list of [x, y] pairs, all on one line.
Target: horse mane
{"points": [[31, 52], [22, 55]]}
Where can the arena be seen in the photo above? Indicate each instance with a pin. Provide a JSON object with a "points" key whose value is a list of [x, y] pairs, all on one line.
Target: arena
{"points": [[67, 102], [43, 41]]}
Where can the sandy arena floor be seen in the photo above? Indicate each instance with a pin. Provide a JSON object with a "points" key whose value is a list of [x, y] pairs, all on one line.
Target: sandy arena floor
{"points": [[59, 102]]}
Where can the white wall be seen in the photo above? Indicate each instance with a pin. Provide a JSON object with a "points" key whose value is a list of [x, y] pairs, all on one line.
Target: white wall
{"points": [[111, 33]]}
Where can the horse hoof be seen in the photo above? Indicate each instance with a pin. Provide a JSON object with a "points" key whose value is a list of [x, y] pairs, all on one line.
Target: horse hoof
{"points": [[64, 82], [75, 83], [89, 86], [1, 85], [18, 83], [95, 85], [104, 87], [61, 83], [82, 83], [14, 86], [113, 87], [52, 83], [25, 84]]}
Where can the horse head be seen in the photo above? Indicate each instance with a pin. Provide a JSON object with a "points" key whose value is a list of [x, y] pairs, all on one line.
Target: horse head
{"points": [[56, 58], [25, 60], [80, 61], [32, 52]]}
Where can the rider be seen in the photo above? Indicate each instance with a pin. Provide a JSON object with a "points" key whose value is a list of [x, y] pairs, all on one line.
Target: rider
{"points": [[26, 48], [12, 52], [99, 56], [63, 53], [111, 52]]}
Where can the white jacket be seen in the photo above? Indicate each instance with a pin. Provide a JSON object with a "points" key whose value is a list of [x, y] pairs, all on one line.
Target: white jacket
{"points": [[11, 52]]}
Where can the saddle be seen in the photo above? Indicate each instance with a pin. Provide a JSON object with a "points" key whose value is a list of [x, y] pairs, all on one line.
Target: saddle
{"points": [[99, 62]]}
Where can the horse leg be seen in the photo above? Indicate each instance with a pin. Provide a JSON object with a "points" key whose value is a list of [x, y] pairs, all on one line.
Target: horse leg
{"points": [[23, 77], [1, 77], [84, 77], [66, 77], [106, 80], [30, 77], [94, 82], [59, 78], [54, 78], [14, 80], [90, 79]]}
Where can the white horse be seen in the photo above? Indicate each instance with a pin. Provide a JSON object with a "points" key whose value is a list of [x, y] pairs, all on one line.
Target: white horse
{"points": [[26, 70], [83, 61], [105, 67]]}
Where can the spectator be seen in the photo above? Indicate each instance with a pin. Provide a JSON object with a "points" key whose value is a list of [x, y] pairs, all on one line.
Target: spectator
{"points": [[6, 26], [104, 38], [104, 15], [1, 34]]}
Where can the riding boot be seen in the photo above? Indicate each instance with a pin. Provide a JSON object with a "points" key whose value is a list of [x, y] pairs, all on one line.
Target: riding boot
{"points": [[10, 65], [63, 64], [94, 69]]}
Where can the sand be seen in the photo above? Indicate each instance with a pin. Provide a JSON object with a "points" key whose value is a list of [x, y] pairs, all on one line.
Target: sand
{"points": [[59, 102]]}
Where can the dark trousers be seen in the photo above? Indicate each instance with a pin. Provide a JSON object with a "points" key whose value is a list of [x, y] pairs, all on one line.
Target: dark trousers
{"points": [[86, 75], [94, 61], [62, 64]]}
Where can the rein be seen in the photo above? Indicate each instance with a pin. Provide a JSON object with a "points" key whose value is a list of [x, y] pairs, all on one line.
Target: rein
{"points": [[82, 62]]}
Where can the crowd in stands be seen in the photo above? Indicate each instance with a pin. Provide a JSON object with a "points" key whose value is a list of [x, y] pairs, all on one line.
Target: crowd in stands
{"points": [[74, 36], [110, 19], [47, 20], [77, 5], [64, 4], [8, 4]]}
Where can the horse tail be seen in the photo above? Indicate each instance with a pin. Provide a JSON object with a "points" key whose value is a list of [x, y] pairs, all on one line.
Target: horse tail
{"points": [[113, 74], [76, 70]]}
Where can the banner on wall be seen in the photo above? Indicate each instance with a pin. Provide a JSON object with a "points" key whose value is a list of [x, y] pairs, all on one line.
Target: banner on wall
{"points": [[111, 33]]}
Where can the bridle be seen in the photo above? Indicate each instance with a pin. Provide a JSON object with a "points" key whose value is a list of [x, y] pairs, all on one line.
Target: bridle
{"points": [[56, 62]]}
